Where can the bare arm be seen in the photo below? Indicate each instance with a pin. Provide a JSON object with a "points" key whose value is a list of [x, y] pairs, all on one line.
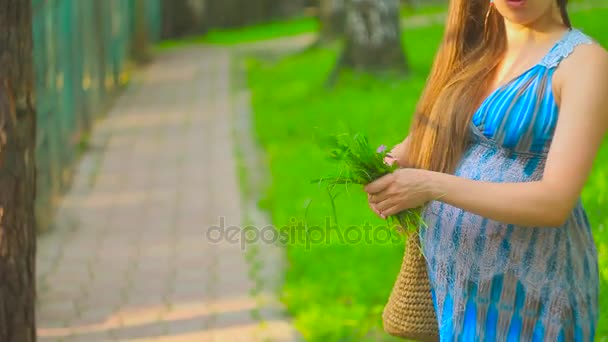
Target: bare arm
{"points": [[582, 124], [399, 152]]}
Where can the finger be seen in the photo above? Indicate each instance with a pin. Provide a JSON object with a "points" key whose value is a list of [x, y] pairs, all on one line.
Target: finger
{"points": [[389, 160], [384, 206], [379, 184], [394, 210], [372, 206], [380, 196], [378, 213]]}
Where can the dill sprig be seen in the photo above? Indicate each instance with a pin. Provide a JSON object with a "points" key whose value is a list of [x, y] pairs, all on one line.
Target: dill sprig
{"points": [[360, 163]]}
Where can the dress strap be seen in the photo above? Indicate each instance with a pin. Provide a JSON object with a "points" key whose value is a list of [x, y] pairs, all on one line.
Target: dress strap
{"points": [[565, 47]]}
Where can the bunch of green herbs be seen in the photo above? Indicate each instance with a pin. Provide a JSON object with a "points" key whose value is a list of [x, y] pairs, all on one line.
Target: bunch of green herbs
{"points": [[361, 164]]}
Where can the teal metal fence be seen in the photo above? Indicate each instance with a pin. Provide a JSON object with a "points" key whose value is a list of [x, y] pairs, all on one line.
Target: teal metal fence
{"points": [[81, 54]]}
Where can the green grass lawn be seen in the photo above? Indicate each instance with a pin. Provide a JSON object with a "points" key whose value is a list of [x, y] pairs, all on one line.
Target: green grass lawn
{"points": [[424, 10], [336, 291]]}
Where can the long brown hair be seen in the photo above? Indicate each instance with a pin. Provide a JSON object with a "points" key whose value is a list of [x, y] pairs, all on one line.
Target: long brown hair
{"points": [[474, 42]]}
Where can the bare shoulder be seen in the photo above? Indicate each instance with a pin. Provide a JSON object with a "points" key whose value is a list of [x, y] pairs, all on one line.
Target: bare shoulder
{"points": [[585, 56], [587, 66]]}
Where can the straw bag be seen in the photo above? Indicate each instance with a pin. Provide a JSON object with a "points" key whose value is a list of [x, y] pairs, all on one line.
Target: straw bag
{"points": [[410, 312]]}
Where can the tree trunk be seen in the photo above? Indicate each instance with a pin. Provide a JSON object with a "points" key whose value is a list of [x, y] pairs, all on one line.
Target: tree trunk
{"points": [[140, 46], [17, 174], [184, 17], [407, 3], [234, 13], [373, 36], [331, 19], [238, 13], [287, 9]]}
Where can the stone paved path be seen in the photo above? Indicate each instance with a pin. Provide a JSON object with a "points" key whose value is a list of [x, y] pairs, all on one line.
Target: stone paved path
{"points": [[129, 258]]}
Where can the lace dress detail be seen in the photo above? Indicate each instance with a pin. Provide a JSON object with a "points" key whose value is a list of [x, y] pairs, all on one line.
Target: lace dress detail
{"points": [[493, 281], [563, 50]]}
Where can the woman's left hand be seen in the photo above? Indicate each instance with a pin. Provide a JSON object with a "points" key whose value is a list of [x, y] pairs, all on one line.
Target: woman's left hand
{"points": [[398, 191]]}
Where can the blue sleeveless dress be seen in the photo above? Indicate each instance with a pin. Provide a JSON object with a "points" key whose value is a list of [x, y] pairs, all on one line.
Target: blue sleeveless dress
{"points": [[493, 281]]}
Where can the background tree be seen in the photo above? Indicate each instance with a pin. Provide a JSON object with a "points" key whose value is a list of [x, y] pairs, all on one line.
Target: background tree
{"points": [[17, 174], [238, 13], [331, 19], [140, 46], [408, 3], [372, 40], [187, 17], [183, 17]]}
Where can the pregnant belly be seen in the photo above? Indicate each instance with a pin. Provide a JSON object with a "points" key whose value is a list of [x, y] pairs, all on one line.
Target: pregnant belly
{"points": [[493, 164]]}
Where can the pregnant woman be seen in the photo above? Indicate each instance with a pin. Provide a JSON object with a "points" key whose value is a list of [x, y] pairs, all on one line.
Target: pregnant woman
{"points": [[503, 140]]}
